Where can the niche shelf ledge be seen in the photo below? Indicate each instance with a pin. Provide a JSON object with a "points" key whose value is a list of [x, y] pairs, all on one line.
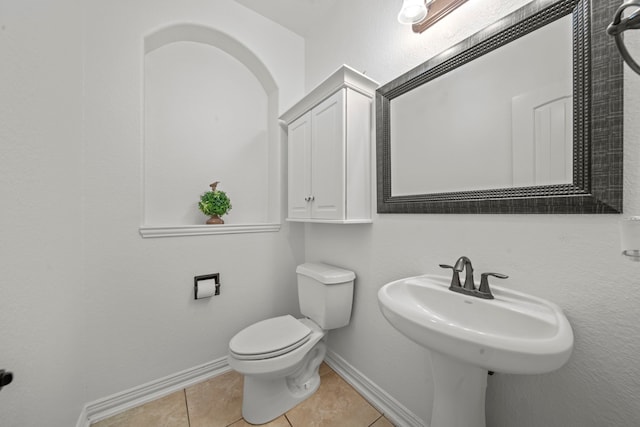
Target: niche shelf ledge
{"points": [[204, 230]]}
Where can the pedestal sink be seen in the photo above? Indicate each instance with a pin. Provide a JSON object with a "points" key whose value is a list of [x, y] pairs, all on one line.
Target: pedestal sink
{"points": [[513, 333]]}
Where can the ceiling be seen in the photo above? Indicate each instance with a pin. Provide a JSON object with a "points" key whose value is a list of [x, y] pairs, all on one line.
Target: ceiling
{"points": [[300, 16]]}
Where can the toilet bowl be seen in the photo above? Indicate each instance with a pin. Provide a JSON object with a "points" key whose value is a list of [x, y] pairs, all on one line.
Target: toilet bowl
{"points": [[279, 357], [275, 384]]}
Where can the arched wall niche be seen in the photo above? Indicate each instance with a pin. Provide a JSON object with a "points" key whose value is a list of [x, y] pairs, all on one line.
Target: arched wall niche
{"points": [[210, 114], [215, 38]]}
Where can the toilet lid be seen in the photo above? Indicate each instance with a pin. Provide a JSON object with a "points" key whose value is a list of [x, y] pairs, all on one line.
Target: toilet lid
{"points": [[269, 338]]}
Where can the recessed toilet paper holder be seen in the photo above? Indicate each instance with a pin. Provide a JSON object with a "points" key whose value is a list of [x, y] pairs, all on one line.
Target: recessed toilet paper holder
{"points": [[206, 286]]}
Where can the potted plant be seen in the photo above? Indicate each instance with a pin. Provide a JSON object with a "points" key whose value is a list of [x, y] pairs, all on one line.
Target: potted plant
{"points": [[215, 203]]}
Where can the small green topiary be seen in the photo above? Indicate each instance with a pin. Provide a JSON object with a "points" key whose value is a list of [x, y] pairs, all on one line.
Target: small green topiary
{"points": [[215, 202]]}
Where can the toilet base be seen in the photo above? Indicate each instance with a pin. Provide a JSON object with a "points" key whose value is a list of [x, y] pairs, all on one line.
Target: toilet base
{"points": [[266, 398]]}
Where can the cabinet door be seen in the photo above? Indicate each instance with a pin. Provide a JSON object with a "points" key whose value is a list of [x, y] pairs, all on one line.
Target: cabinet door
{"points": [[328, 158], [300, 167]]}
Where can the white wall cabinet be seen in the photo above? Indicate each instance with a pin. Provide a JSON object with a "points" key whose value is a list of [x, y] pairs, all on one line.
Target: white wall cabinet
{"points": [[329, 147]]}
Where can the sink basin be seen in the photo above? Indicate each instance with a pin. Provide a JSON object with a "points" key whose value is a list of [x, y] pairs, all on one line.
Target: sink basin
{"points": [[513, 333], [467, 336]]}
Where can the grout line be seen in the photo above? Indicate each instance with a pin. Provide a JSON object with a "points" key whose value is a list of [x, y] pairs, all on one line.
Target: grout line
{"points": [[186, 403], [288, 420], [239, 419], [377, 419]]}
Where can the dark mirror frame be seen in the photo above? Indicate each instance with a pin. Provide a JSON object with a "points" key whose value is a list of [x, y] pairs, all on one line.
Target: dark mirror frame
{"points": [[597, 123]]}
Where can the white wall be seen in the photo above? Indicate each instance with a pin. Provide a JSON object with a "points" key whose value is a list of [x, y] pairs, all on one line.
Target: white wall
{"points": [[142, 320], [572, 260], [40, 218], [87, 307]]}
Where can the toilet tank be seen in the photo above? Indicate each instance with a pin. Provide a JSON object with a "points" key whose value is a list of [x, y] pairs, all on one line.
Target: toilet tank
{"points": [[325, 294]]}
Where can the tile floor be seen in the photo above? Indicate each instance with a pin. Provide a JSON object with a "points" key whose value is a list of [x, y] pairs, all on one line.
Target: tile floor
{"points": [[218, 401]]}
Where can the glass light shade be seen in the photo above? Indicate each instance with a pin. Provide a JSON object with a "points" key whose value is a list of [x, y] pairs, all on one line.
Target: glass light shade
{"points": [[413, 11]]}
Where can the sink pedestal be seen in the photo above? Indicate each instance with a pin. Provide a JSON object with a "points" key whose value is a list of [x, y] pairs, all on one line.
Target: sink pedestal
{"points": [[459, 393], [518, 333]]}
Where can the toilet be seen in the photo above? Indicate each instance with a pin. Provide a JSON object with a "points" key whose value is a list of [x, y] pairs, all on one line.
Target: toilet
{"points": [[280, 357]]}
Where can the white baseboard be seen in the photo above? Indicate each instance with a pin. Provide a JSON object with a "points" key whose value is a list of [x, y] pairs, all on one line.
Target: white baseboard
{"points": [[119, 402], [393, 410]]}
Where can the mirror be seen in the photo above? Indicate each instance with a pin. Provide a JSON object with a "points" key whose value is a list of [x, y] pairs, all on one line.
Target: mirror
{"points": [[521, 136], [523, 117]]}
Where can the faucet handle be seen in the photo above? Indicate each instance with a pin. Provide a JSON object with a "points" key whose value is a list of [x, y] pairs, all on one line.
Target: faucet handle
{"points": [[484, 283], [455, 279]]}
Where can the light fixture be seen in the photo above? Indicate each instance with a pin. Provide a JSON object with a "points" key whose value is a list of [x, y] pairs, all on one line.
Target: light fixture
{"points": [[413, 11]]}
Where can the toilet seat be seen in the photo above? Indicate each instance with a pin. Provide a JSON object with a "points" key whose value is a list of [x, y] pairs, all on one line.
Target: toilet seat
{"points": [[269, 338]]}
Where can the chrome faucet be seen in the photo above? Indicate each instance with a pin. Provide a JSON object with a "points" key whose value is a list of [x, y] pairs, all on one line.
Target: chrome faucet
{"points": [[469, 288], [464, 263]]}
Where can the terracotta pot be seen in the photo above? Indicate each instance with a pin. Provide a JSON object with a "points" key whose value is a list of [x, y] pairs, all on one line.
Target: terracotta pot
{"points": [[215, 219]]}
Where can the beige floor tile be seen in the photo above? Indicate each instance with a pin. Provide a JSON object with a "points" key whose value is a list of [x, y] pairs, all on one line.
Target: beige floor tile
{"points": [[169, 411], [216, 402], [324, 369], [382, 422], [335, 403], [278, 422]]}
